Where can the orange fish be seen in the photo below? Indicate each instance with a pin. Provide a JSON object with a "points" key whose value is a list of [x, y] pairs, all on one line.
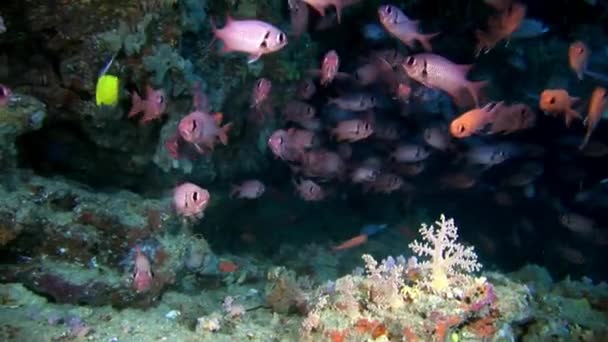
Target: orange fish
{"points": [[350, 243], [558, 101], [597, 106], [474, 120], [578, 58]]}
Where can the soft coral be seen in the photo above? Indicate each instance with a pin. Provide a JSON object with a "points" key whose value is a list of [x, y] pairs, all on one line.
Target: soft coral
{"points": [[448, 259]]}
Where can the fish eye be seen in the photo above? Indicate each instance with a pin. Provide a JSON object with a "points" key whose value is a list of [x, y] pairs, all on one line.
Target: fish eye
{"points": [[311, 188], [161, 99], [461, 129], [372, 99], [388, 10], [281, 37], [552, 100], [411, 61], [580, 50], [366, 126], [194, 125], [195, 196], [2, 92]]}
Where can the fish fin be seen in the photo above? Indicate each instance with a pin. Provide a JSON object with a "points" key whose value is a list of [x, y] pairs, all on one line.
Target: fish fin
{"points": [[475, 88], [137, 105], [253, 57], [338, 7], [234, 189], [223, 134], [425, 40], [218, 117], [570, 115], [464, 68], [319, 9], [585, 139]]}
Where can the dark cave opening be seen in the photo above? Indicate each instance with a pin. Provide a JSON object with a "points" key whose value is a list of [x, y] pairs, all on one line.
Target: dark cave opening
{"points": [[63, 148]]}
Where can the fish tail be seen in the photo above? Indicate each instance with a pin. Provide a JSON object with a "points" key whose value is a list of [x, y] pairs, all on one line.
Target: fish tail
{"points": [[585, 140], [425, 40], [223, 134], [137, 105], [475, 89]]}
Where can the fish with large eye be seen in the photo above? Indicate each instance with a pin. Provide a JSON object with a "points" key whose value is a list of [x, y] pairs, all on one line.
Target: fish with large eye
{"points": [[254, 37], [190, 200], [558, 101]]}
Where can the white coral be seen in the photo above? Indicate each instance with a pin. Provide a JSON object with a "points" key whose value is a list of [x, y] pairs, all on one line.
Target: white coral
{"points": [[449, 259]]}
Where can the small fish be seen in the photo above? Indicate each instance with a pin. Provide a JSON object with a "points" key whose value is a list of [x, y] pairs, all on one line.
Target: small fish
{"points": [[489, 154], [253, 37], [512, 118], [107, 87], [306, 89], [352, 130], [5, 95], [435, 71], [261, 91], [363, 174], [558, 101], [142, 276], [190, 200], [578, 58], [309, 190], [249, 189], [384, 183], [410, 153], [298, 13], [329, 67], [203, 130], [500, 27], [351, 243], [153, 106], [598, 105], [322, 163], [437, 137], [356, 102], [474, 121], [404, 29]]}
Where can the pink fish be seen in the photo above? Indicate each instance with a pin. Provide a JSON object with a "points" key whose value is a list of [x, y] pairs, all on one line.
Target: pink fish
{"points": [[280, 145], [404, 29], [202, 130], [321, 5], [309, 190], [434, 71], [329, 67], [153, 106], [249, 189], [260, 93], [321, 164], [142, 277], [190, 200], [352, 130], [298, 13], [5, 95], [253, 37]]}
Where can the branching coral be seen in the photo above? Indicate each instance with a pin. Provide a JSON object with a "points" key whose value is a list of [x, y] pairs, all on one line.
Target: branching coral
{"points": [[449, 259]]}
